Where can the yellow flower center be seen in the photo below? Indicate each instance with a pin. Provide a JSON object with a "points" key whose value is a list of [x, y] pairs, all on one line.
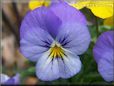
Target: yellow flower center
{"points": [[56, 51]]}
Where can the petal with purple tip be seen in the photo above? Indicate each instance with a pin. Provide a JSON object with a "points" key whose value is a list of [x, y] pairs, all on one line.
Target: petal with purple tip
{"points": [[48, 68], [14, 80], [3, 78]]}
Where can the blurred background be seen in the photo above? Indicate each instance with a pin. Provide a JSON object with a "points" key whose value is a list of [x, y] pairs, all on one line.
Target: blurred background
{"points": [[12, 13], [12, 61]]}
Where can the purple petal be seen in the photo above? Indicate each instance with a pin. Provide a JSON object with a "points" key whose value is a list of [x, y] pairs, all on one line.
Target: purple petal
{"points": [[74, 37], [106, 66], [67, 13], [104, 55], [40, 18], [104, 43], [34, 43]]}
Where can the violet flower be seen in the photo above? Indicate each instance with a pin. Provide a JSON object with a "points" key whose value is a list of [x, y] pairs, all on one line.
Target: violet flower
{"points": [[104, 55], [6, 80], [54, 37]]}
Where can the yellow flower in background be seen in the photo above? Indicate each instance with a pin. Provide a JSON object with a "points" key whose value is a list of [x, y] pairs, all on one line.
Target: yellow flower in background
{"points": [[33, 4], [79, 4], [100, 8], [109, 21]]}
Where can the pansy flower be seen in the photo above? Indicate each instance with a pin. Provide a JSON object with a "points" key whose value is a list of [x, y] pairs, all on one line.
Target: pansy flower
{"points": [[104, 55], [54, 37], [6, 80]]}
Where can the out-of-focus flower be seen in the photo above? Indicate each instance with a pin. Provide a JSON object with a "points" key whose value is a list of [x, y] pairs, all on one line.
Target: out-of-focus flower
{"points": [[6, 80], [54, 37], [109, 21], [100, 8], [78, 4], [104, 55], [33, 4], [3, 78]]}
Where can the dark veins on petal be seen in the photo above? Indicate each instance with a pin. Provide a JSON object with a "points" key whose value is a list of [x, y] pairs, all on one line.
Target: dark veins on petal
{"points": [[47, 43], [64, 41]]}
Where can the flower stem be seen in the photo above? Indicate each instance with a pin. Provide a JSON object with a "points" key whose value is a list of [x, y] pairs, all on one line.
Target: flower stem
{"points": [[97, 26]]}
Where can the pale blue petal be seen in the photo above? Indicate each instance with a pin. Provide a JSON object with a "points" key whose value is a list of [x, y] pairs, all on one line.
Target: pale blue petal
{"points": [[46, 69], [69, 66]]}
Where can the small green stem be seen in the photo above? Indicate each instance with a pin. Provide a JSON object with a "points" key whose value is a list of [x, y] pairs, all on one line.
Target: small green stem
{"points": [[97, 26]]}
